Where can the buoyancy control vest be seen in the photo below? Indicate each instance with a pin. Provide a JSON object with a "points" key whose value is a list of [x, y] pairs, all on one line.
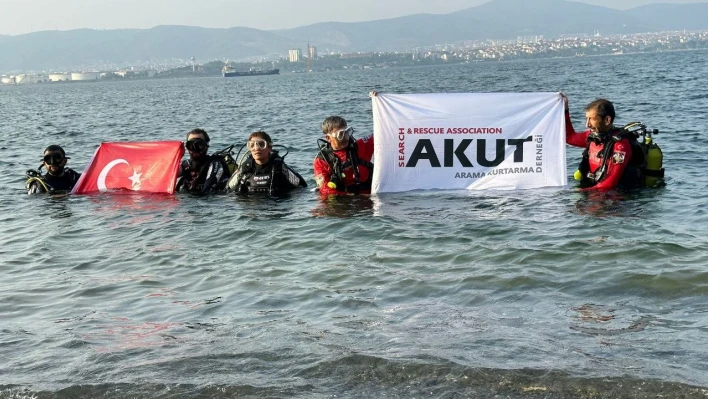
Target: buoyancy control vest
{"points": [[339, 168], [209, 175], [644, 169], [38, 182], [273, 178]]}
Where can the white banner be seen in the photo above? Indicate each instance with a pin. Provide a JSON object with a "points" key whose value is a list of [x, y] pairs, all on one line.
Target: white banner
{"points": [[468, 141]]}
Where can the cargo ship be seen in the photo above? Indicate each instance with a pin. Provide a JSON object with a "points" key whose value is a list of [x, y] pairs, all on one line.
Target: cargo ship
{"points": [[229, 72]]}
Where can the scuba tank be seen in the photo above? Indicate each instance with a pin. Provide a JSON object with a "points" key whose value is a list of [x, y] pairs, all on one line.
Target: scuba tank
{"points": [[650, 157], [654, 172], [227, 156]]}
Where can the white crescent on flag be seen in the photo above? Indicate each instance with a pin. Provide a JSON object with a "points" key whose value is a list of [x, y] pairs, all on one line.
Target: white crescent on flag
{"points": [[101, 182]]}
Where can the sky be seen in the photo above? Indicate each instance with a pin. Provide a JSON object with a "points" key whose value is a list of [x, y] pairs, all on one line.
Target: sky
{"points": [[25, 16]]}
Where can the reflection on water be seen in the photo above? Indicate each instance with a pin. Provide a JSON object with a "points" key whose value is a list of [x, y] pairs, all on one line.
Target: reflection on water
{"points": [[127, 200], [552, 293], [124, 334], [606, 204], [346, 206], [616, 203], [57, 207]]}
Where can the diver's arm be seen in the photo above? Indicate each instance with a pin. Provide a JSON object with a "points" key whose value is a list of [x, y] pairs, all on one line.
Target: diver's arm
{"points": [[322, 175], [75, 176], [179, 182], [291, 177], [35, 188], [576, 139], [234, 180], [365, 147]]}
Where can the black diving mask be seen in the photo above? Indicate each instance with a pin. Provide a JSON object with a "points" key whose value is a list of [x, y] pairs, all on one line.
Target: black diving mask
{"points": [[54, 158], [197, 145]]}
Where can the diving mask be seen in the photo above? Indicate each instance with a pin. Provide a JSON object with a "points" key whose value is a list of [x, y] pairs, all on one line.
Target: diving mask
{"points": [[196, 145], [341, 134], [54, 158], [257, 144]]}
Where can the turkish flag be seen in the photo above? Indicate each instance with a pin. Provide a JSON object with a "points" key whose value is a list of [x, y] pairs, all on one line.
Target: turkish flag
{"points": [[138, 166]]}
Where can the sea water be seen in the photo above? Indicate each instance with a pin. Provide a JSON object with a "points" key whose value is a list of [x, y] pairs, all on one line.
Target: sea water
{"points": [[550, 293]]}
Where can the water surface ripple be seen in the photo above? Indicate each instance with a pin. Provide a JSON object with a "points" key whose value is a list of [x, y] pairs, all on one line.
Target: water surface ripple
{"points": [[533, 294]]}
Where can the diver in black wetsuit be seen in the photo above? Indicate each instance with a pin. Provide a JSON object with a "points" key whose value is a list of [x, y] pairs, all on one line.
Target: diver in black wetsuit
{"points": [[264, 170], [201, 173], [58, 179]]}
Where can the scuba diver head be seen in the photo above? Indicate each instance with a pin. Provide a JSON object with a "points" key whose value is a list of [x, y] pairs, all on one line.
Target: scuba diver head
{"points": [[599, 114], [197, 144], [54, 160], [261, 146], [336, 132]]}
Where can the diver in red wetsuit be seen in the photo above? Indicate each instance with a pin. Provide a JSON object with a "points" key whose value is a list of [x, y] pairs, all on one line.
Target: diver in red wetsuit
{"points": [[343, 165], [608, 161]]}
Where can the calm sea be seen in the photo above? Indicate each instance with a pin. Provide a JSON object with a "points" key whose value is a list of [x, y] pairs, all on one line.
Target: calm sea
{"points": [[531, 294]]}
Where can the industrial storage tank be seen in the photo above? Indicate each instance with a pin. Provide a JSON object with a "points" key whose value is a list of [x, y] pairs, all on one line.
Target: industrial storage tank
{"points": [[59, 77], [84, 75]]}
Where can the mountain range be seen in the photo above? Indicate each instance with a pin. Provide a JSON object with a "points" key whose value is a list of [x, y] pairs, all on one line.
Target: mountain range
{"points": [[497, 19]]}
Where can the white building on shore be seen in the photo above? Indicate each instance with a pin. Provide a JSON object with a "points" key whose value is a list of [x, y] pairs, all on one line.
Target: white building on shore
{"points": [[295, 55], [82, 76], [59, 77]]}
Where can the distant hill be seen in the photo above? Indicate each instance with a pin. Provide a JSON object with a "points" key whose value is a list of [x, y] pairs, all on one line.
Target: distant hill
{"points": [[497, 19], [393, 34], [511, 18], [65, 50], [658, 17]]}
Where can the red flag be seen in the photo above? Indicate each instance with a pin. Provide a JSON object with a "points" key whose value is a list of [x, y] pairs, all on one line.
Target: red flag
{"points": [[141, 166]]}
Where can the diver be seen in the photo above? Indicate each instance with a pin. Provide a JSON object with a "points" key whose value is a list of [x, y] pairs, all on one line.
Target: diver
{"points": [[201, 173], [264, 170], [612, 158], [343, 165], [58, 179]]}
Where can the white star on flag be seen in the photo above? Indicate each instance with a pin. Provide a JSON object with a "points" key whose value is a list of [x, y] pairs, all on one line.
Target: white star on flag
{"points": [[135, 178]]}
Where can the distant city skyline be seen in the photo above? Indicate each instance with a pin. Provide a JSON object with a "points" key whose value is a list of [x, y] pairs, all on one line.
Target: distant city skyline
{"points": [[25, 16]]}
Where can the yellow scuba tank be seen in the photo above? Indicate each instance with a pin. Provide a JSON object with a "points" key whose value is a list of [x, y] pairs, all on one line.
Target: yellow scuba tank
{"points": [[231, 163], [227, 156], [652, 169], [653, 172]]}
